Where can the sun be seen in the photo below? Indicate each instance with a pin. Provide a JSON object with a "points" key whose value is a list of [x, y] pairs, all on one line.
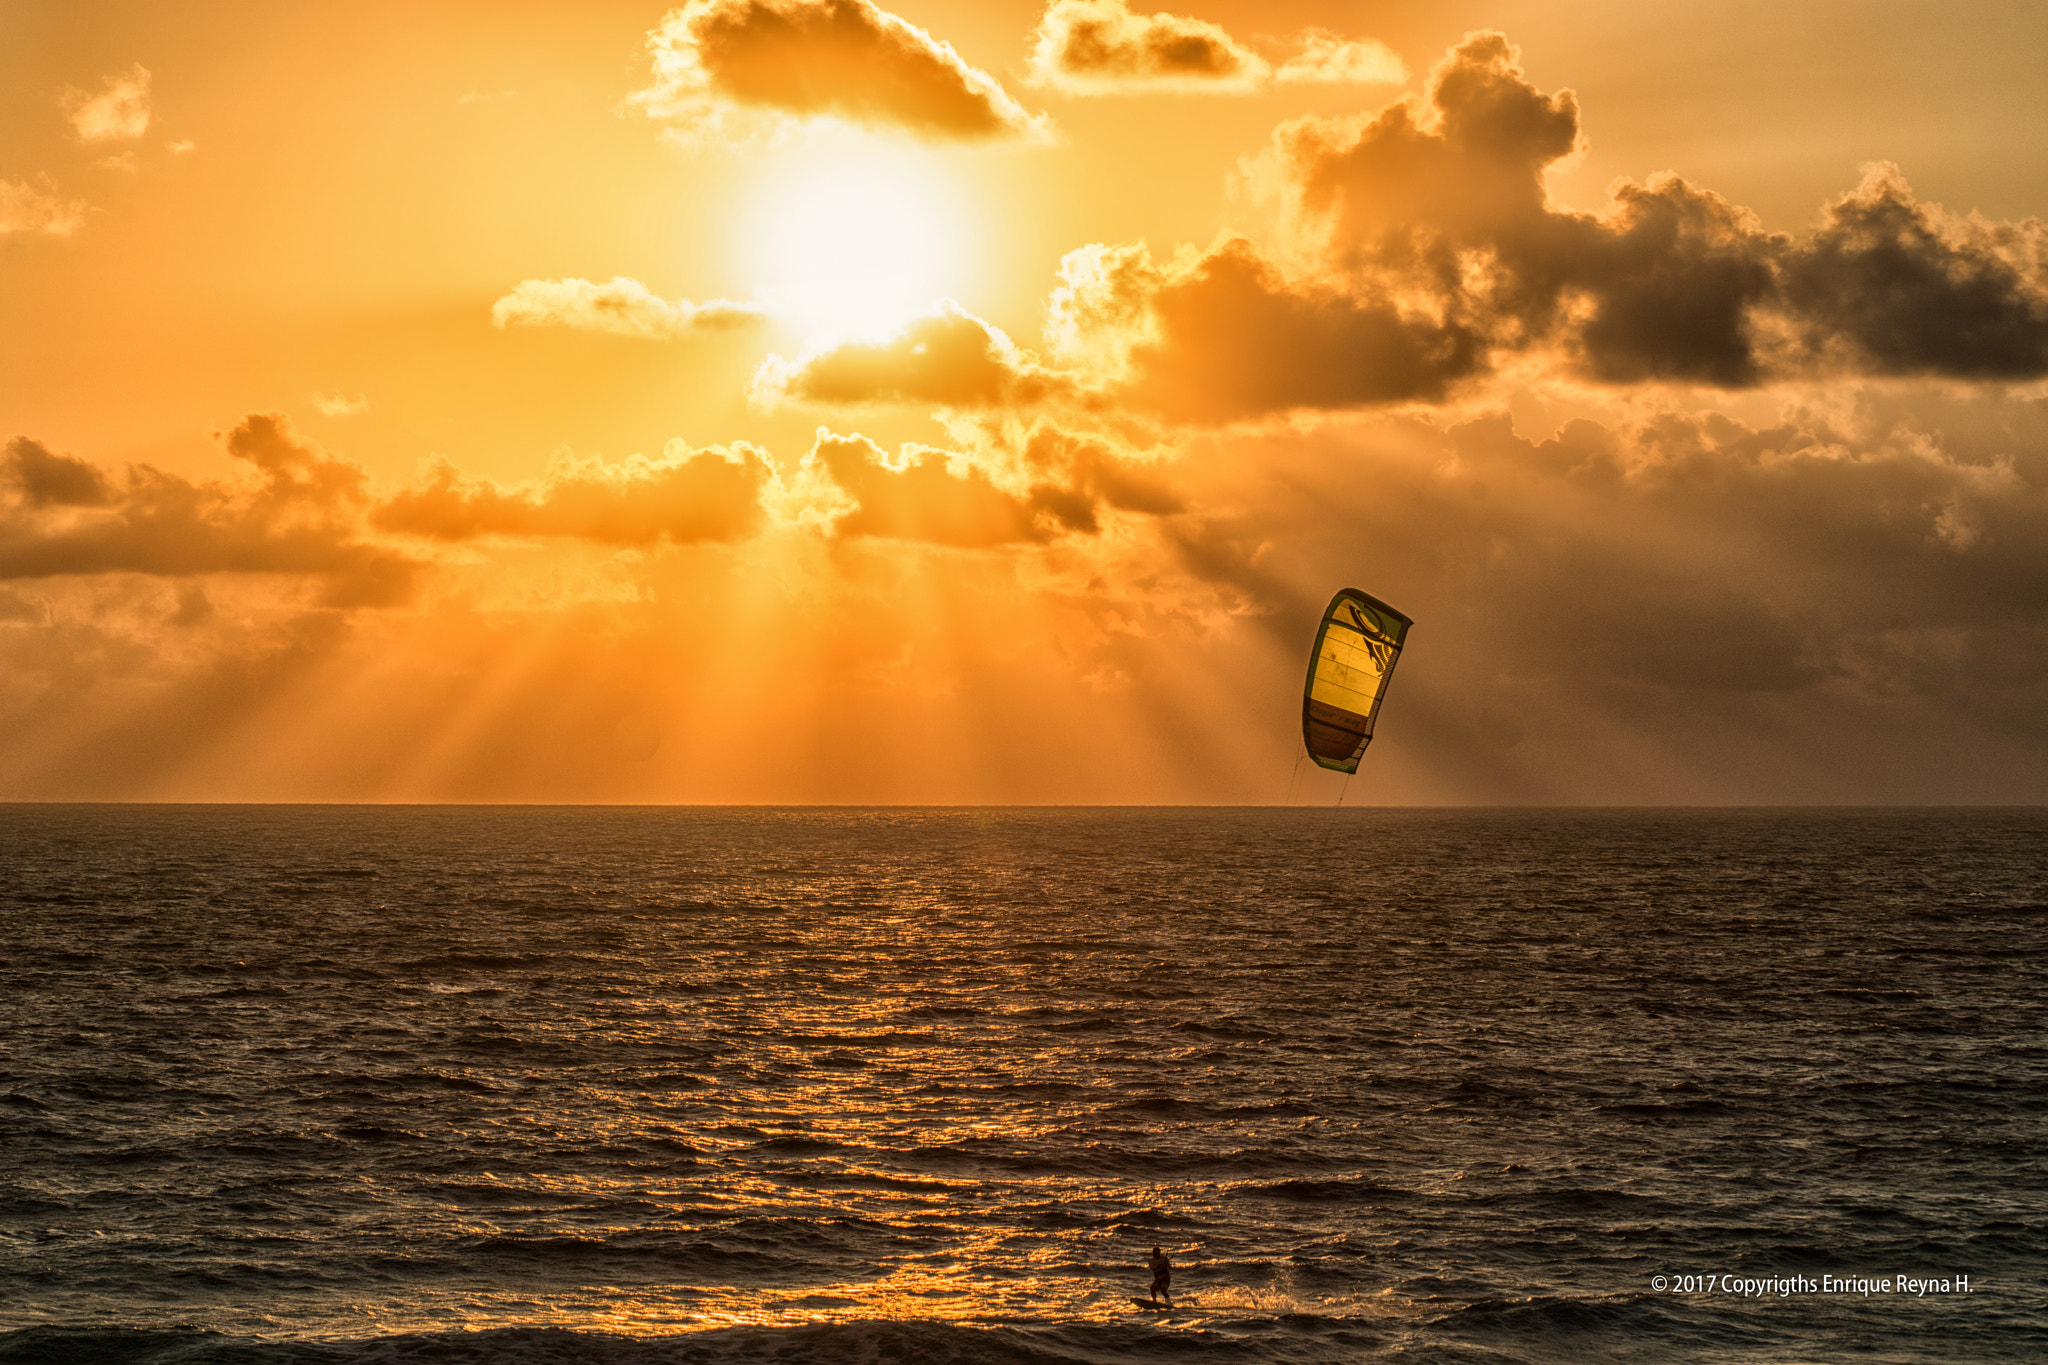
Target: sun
{"points": [[855, 240]]}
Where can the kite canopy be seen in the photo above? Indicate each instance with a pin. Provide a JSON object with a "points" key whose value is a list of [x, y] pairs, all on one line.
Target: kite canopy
{"points": [[1356, 647]]}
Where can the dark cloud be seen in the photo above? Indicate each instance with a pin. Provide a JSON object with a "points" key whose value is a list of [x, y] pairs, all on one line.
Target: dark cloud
{"points": [[1674, 276], [43, 478], [1220, 337], [1440, 201], [1849, 604], [844, 59], [1689, 553], [686, 496], [1443, 198], [1894, 286], [948, 357], [302, 518]]}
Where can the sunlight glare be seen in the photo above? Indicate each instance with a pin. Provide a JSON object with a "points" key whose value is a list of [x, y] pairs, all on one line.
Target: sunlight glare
{"points": [[856, 240]]}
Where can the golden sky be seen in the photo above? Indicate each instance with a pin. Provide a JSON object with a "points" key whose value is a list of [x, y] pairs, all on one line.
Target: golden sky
{"points": [[805, 400]]}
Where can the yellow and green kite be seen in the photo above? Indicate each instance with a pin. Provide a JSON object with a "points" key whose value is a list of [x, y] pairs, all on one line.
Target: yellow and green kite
{"points": [[1356, 647]]}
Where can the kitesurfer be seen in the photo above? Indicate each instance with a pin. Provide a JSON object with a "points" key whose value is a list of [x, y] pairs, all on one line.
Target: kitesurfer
{"points": [[1162, 1277]]}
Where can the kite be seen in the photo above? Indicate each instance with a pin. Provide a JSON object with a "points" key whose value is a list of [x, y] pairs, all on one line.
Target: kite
{"points": [[1354, 655]]}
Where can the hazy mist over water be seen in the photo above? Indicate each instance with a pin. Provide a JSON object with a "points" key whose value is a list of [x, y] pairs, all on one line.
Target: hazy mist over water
{"points": [[927, 1084]]}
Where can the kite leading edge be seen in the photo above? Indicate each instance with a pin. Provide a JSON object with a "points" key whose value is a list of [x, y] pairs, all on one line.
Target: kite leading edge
{"points": [[1356, 646]]}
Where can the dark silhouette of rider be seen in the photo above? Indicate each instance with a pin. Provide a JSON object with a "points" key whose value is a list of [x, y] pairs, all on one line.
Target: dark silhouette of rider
{"points": [[1162, 1277]]}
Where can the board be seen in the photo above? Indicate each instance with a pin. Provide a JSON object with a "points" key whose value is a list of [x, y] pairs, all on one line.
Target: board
{"points": [[1152, 1307]]}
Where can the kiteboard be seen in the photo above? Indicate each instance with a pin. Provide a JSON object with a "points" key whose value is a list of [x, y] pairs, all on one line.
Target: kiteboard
{"points": [[1152, 1307]]}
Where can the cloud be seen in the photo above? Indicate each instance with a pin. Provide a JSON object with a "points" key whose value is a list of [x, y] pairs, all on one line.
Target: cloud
{"points": [[1674, 604], [1666, 289], [119, 113], [1219, 336], [1890, 285], [43, 478], [1847, 601], [1327, 59], [1014, 486], [302, 517], [1081, 471], [1797, 553], [15, 607], [923, 494], [689, 495], [622, 306], [1429, 250], [24, 208], [340, 405], [1443, 201], [948, 357], [1094, 47], [809, 59], [1098, 47]]}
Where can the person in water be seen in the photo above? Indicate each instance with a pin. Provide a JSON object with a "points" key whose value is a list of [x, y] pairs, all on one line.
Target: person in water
{"points": [[1162, 1277]]}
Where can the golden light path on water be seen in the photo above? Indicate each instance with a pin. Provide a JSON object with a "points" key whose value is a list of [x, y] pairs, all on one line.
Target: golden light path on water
{"points": [[936, 1081]]}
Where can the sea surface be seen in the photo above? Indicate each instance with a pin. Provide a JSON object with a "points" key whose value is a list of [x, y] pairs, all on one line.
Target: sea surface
{"points": [[320, 1084]]}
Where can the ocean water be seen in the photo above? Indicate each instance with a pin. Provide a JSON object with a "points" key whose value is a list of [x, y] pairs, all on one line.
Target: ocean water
{"points": [[290, 1084]]}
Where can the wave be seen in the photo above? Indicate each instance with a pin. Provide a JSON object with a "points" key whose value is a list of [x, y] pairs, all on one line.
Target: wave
{"points": [[853, 1343]]}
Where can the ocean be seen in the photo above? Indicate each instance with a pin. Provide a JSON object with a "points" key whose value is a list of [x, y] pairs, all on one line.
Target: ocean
{"points": [[355, 1084]]}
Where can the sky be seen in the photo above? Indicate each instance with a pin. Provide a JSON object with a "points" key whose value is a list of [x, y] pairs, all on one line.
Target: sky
{"points": [[818, 401]]}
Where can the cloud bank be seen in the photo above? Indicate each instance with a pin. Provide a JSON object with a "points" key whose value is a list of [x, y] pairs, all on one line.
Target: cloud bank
{"points": [[1428, 253], [1845, 602], [65, 516], [1686, 511]]}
